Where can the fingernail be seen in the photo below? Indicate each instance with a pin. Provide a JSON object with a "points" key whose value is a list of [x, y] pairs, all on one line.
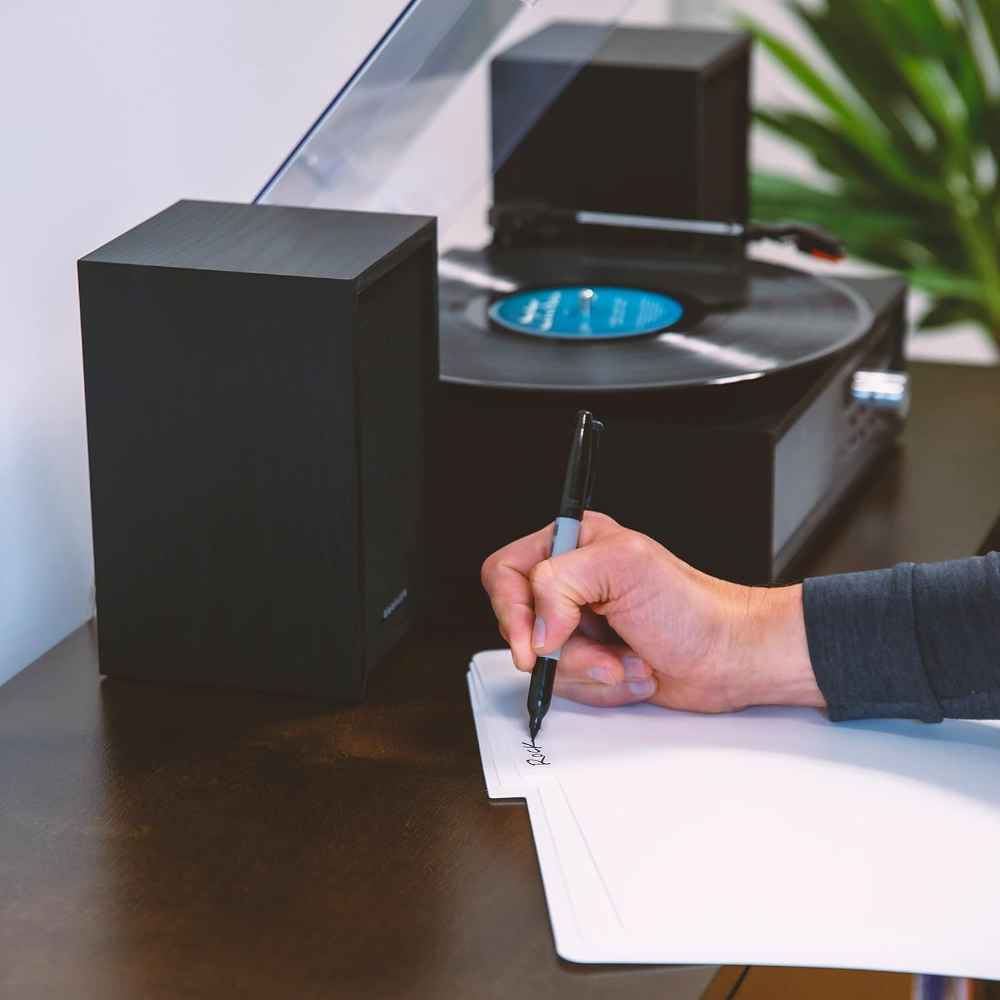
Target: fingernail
{"points": [[635, 669], [642, 689], [538, 633], [602, 674]]}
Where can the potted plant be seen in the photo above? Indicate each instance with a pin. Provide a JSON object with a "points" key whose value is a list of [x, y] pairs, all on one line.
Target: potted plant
{"points": [[907, 134]]}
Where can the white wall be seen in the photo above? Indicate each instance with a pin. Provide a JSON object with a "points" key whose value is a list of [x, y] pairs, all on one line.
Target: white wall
{"points": [[112, 110]]}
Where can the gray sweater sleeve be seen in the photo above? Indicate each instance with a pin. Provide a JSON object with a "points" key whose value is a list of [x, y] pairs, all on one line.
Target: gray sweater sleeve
{"points": [[914, 641]]}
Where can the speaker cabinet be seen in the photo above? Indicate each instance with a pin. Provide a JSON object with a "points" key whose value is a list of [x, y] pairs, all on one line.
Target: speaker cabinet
{"points": [[647, 121], [257, 379]]}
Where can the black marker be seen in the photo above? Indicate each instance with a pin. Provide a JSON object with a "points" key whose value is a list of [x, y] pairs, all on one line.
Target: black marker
{"points": [[578, 488]]}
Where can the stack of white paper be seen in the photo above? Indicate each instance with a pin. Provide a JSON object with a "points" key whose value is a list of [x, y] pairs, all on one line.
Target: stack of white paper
{"points": [[770, 836]]}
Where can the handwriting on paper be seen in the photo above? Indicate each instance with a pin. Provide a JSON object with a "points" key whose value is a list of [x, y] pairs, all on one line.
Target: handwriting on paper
{"points": [[535, 755]]}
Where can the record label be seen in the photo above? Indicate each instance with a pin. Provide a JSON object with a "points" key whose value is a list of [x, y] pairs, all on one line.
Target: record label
{"points": [[586, 312]]}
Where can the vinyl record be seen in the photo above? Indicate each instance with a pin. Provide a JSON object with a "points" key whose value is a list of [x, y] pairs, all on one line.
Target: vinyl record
{"points": [[714, 320]]}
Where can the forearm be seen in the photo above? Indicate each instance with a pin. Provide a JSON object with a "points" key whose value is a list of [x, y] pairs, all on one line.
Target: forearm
{"points": [[914, 641]]}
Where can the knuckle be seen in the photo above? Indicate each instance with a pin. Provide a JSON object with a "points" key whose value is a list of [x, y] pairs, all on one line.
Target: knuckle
{"points": [[637, 545], [542, 574]]}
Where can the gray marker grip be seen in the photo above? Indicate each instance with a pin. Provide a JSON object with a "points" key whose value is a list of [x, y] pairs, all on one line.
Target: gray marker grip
{"points": [[564, 539]]}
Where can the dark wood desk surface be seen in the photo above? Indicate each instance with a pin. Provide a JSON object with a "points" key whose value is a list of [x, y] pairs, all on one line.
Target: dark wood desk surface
{"points": [[169, 842]]}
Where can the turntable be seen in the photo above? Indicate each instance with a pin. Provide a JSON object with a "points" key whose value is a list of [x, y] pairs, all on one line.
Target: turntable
{"points": [[590, 181], [734, 430]]}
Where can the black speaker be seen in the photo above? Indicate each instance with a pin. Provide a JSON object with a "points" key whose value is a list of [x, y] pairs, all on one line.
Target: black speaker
{"points": [[257, 379], [647, 121]]}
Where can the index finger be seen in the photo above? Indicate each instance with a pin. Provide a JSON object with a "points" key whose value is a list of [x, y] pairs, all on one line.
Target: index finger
{"points": [[505, 577]]}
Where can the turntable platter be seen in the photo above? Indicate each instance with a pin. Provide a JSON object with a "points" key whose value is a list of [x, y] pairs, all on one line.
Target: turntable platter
{"points": [[690, 321]]}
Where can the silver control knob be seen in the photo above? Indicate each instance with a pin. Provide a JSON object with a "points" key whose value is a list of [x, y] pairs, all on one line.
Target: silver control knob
{"points": [[882, 390]]}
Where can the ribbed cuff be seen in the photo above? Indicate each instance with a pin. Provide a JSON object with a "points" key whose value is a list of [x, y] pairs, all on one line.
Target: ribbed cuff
{"points": [[865, 648], [957, 607]]}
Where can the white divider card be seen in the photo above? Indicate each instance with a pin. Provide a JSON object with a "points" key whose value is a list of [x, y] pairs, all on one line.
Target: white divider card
{"points": [[564, 916], [769, 836], [580, 907]]}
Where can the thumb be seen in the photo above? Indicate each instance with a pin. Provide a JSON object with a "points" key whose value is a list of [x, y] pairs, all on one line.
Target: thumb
{"points": [[561, 587]]}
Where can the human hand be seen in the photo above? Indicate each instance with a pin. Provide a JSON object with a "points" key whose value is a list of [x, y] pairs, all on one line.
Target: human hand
{"points": [[635, 623]]}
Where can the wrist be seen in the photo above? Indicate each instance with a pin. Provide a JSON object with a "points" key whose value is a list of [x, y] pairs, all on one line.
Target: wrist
{"points": [[776, 667]]}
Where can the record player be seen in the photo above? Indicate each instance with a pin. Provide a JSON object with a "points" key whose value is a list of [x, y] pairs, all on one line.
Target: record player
{"points": [[590, 180], [738, 463]]}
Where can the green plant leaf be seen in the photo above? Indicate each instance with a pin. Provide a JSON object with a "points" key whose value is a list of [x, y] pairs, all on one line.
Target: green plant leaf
{"points": [[808, 77], [910, 145], [946, 284], [839, 154], [946, 311], [895, 239], [984, 117], [854, 124], [989, 13], [875, 80]]}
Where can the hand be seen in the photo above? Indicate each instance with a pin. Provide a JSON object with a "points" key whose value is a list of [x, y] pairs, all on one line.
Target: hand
{"points": [[635, 623]]}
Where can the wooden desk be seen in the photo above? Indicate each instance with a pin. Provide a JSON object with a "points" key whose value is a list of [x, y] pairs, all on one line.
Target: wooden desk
{"points": [[169, 842]]}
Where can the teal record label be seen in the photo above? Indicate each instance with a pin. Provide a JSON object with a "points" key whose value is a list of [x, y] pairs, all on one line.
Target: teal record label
{"points": [[582, 312]]}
